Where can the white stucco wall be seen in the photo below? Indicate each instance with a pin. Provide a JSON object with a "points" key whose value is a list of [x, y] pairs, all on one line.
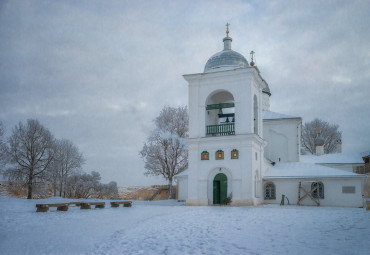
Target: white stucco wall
{"points": [[333, 195], [243, 86], [242, 83], [240, 172], [182, 188], [283, 139]]}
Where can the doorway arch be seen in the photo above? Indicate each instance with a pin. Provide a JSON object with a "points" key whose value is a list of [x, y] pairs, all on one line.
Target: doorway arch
{"points": [[219, 189]]}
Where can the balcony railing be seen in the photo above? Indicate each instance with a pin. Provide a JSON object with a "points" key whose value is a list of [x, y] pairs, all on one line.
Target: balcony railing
{"points": [[222, 129]]}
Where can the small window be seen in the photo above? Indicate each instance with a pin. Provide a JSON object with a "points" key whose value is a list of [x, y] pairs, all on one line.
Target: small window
{"points": [[348, 189], [319, 189], [270, 193], [234, 154], [219, 154], [205, 155]]}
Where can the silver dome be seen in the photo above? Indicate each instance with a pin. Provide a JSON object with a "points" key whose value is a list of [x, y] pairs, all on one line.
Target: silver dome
{"points": [[226, 58]]}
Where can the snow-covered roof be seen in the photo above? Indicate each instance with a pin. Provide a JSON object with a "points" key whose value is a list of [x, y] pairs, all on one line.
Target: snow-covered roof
{"points": [[182, 174], [334, 158], [268, 115], [306, 170]]}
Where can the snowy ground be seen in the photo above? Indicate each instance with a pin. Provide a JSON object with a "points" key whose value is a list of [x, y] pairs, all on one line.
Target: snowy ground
{"points": [[168, 227]]}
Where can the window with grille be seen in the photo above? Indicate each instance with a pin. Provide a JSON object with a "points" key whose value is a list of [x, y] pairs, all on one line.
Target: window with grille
{"points": [[270, 191], [319, 192]]}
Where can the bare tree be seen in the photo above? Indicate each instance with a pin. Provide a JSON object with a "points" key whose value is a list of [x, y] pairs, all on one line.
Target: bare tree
{"points": [[3, 149], [165, 152], [31, 150], [53, 176], [329, 132], [82, 185], [67, 161], [107, 191]]}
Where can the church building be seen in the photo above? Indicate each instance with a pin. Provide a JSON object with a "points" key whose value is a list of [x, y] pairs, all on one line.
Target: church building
{"points": [[242, 152]]}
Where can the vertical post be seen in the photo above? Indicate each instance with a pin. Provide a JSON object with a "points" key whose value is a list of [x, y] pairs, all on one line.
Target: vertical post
{"points": [[282, 199], [299, 193]]}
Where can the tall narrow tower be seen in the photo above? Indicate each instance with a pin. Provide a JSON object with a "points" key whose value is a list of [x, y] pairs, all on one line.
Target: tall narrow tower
{"points": [[225, 131]]}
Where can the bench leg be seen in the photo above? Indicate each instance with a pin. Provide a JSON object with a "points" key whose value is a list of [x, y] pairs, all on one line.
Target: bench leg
{"points": [[42, 209], [85, 206], [63, 208]]}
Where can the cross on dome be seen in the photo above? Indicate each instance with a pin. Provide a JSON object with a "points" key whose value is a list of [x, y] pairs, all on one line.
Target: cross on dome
{"points": [[252, 58], [227, 29]]}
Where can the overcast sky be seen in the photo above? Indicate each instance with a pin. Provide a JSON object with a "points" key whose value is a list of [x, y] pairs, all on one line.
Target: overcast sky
{"points": [[98, 72]]}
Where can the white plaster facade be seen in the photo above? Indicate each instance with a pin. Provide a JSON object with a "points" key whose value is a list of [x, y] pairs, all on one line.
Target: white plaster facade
{"points": [[182, 187], [239, 85], [243, 87], [333, 191], [283, 136]]}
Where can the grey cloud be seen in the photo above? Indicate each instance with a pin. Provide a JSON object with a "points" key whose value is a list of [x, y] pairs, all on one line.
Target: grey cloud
{"points": [[99, 73]]}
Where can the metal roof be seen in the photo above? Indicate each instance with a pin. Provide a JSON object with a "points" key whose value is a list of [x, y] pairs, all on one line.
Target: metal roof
{"points": [[226, 58]]}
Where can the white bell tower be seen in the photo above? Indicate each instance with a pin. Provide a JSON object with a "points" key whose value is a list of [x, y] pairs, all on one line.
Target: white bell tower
{"points": [[225, 141]]}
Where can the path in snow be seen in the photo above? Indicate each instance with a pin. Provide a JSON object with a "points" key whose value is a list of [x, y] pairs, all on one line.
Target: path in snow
{"points": [[246, 230], [165, 227]]}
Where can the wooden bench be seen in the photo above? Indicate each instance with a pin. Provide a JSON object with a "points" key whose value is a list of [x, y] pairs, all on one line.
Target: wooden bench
{"points": [[74, 203], [124, 203], [45, 207], [87, 205]]}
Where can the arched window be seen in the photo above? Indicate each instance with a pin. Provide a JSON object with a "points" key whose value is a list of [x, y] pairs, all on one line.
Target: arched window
{"points": [[270, 192], [319, 191], [220, 114]]}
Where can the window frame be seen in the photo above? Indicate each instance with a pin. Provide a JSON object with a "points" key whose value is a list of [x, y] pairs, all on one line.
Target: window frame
{"points": [[219, 155], [319, 192], [204, 155], [234, 154], [271, 191]]}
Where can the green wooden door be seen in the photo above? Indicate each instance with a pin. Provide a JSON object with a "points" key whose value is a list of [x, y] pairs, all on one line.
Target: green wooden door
{"points": [[219, 189]]}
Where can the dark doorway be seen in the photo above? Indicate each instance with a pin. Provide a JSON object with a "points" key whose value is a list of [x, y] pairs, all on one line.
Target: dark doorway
{"points": [[219, 189]]}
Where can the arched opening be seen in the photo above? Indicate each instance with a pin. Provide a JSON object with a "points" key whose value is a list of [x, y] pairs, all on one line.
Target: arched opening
{"points": [[255, 115], [219, 189], [317, 190], [220, 113]]}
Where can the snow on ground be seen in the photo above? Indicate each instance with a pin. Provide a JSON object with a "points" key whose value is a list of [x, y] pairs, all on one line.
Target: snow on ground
{"points": [[168, 227]]}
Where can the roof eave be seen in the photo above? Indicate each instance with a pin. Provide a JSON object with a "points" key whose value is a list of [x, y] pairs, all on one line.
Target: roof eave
{"points": [[360, 176]]}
